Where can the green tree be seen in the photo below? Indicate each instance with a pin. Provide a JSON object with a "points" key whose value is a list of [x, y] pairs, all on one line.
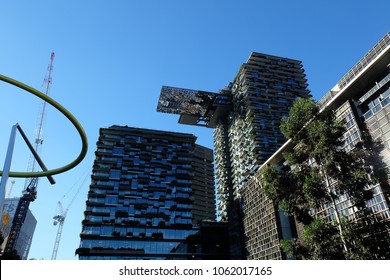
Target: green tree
{"points": [[318, 172]]}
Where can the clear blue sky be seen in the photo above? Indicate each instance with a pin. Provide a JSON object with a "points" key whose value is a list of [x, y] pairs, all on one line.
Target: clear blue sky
{"points": [[112, 57]]}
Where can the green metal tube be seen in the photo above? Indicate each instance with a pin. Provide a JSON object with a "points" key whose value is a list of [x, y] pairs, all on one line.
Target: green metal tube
{"points": [[68, 115]]}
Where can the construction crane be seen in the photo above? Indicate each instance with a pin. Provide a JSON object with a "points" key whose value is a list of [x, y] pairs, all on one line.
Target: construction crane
{"points": [[59, 219], [29, 193], [10, 189]]}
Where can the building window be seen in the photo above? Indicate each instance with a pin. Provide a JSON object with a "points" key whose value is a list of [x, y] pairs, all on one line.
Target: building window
{"points": [[117, 151], [115, 174]]}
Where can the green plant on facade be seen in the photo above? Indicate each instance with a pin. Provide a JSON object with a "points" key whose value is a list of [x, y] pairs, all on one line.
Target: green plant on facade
{"points": [[317, 172]]}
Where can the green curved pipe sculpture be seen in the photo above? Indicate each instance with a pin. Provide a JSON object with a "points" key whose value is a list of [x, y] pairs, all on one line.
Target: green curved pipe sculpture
{"points": [[68, 115]]}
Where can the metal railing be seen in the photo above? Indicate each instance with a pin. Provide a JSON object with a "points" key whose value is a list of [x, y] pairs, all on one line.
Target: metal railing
{"points": [[357, 69]]}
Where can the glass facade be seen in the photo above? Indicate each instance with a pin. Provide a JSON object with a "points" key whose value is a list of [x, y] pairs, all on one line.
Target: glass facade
{"points": [[355, 118], [365, 91], [146, 185]]}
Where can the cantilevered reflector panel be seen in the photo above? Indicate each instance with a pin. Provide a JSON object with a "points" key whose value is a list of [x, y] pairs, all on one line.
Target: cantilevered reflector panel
{"points": [[185, 101]]}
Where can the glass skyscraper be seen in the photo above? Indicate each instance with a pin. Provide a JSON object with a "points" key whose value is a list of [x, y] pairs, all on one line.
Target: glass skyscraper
{"points": [[245, 117], [151, 197]]}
